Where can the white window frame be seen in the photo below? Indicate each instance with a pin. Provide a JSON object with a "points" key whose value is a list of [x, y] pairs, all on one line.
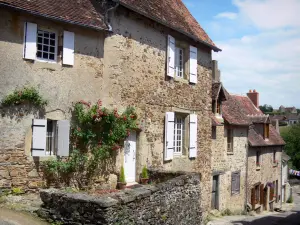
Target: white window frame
{"points": [[179, 62], [53, 137], [55, 48], [179, 132]]}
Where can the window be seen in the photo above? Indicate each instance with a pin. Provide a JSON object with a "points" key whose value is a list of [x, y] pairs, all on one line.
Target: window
{"points": [[266, 131], [258, 163], [51, 137], [235, 183], [257, 194], [46, 45], [274, 156], [229, 140], [179, 62], [214, 132], [178, 134], [218, 107]]}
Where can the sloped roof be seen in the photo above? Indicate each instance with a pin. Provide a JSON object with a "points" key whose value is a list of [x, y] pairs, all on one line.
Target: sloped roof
{"points": [[255, 139], [80, 12], [214, 121], [278, 117], [171, 13], [285, 157], [219, 91], [292, 116], [239, 110]]}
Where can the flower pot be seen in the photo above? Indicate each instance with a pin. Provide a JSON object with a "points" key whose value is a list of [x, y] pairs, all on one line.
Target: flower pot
{"points": [[121, 185], [144, 180]]}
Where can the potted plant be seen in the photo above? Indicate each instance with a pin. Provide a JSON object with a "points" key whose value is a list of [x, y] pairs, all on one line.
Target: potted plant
{"points": [[122, 182], [145, 176]]}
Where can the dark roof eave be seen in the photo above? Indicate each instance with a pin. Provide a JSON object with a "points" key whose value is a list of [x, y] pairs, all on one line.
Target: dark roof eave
{"points": [[216, 49], [52, 17], [276, 145]]}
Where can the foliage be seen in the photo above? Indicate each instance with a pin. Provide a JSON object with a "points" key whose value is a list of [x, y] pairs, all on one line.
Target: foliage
{"points": [[145, 173], [226, 212], [96, 134], [292, 147], [122, 175], [17, 191], [266, 108], [290, 200], [21, 96]]}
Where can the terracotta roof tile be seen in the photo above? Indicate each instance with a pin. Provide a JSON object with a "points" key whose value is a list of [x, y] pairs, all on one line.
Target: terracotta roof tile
{"points": [[256, 139], [81, 12], [172, 13]]}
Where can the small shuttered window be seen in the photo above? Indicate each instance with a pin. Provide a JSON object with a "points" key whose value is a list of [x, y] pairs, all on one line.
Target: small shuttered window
{"points": [[235, 183]]}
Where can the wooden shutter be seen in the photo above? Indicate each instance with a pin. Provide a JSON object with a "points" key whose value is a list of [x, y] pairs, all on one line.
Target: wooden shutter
{"points": [[29, 45], [253, 198], [39, 131], [171, 56], [271, 193], [63, 137], [68, 51], [193, 136], [169, 135], [193, 65], [261, 191]]}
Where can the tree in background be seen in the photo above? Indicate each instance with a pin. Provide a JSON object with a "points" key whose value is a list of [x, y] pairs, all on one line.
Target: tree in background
{"points": [[292, 138], [266, 108]]}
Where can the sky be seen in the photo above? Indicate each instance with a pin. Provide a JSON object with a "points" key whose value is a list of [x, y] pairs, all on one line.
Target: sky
{"points": [[260, 42]]}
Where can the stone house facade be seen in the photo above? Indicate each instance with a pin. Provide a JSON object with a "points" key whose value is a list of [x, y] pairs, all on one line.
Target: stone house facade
{"points": [[264, 149], [229, 148], [119, 53]]}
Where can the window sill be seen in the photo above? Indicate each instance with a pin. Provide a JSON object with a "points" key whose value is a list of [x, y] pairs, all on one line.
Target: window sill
{"points": [[235, 194], [178, 79], [42, 158], [230, 153], [257, 167]]}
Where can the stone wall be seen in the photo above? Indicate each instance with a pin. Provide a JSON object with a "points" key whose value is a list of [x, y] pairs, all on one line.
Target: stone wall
{"points": [[172, 202], [225, 163], [268, 171]]}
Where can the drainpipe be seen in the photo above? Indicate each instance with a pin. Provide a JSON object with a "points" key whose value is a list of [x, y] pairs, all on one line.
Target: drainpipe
{"points": [[246, 180], [281, 179], [106, 14]]}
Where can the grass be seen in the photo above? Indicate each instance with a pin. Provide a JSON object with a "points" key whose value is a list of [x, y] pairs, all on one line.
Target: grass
{"points": [[284, 129]]}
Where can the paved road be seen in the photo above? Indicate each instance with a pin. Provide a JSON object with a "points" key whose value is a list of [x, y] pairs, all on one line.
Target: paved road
{"points": [[10, 217]]}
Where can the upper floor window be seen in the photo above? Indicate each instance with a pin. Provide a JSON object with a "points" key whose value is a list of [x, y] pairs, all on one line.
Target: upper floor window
{"points": [[179, 62], [266, 131], [46, 45], [182, 60], [274, 156], [258, 161], [178, 134], [42, 44], [229, 140]]}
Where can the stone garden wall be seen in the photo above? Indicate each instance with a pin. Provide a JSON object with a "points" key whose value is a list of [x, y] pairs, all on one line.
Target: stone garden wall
{"points": [[176, 201]]}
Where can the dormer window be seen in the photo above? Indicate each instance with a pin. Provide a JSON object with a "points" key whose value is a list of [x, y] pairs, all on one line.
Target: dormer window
{"points": [[266, 131], [218, 107]]}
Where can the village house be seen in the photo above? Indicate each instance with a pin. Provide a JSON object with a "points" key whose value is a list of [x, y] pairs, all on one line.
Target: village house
{"points": [[264, 149], [158, 60], [229, 154]]}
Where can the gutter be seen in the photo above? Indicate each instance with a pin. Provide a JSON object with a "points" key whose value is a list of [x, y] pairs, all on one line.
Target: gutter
{"points": [[54, 18], [106, 14], [216, 49]]}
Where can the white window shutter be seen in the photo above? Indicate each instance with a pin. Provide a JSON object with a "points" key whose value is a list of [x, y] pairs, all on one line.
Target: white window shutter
{"points": [[193, 136], [193, 65], [39, 131], [63, 137], [171, 56], [169, 135], [68, 51], [29, 45]]}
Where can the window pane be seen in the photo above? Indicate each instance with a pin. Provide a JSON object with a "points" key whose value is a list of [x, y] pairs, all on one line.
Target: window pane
{"points": [[52, 42], [45, 48], [45, 55], [46, 41], [52, 49], [52, 35], [40, 40], [46, 34], [39, 47], [51, 56], [39, 54]]}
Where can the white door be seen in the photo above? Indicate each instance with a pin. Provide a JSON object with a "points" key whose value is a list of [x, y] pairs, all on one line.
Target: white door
{"points": [[129, 157]]}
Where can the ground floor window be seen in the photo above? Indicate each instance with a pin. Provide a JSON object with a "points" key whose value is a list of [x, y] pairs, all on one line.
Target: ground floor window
{"points": [[235, 183], [179, 133]]}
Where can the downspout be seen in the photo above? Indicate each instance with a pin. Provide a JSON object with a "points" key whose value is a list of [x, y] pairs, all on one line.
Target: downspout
{"points": [[106, 14], [281, 179], [246, 180]]}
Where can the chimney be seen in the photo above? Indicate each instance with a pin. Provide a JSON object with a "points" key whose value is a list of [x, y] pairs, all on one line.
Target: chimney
{"points": [[216, 74], [254, 96], [277, 126]]}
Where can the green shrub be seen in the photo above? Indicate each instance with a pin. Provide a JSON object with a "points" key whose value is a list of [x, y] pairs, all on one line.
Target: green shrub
{"points": [[145, 173], [290, 200], [27, 94], [122, 175]]}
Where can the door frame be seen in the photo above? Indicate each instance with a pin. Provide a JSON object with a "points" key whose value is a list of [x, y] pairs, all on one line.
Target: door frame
{"points": [[215, 204], [124, 161]]}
